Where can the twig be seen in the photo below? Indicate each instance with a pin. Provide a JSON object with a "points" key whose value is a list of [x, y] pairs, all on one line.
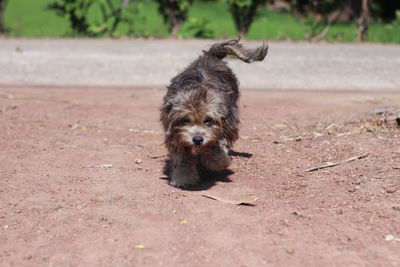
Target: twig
{"points": [[336, 163], [157, 157], [247, 202]]}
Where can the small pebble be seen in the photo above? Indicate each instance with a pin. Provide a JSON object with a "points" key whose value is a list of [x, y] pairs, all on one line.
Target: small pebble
{"points": [[105, 166], [290, 251], [352, 190], [389, 237]]}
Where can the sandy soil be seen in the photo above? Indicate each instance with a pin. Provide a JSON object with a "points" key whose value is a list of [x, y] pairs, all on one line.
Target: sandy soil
{"points": [[81, 183]]}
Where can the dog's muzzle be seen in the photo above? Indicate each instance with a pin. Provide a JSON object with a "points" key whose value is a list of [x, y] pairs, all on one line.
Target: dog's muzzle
{"points": [[197, 140]]}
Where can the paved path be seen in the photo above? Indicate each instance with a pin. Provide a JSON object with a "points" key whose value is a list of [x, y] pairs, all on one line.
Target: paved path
{"points": [[153, 62]]}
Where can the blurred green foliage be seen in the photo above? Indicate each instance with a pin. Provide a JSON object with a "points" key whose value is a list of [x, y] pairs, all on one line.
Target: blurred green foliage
{"points": [[174, 13], [75, 11], [99, 17], [243, 12], [198, 28], [210, 19]]}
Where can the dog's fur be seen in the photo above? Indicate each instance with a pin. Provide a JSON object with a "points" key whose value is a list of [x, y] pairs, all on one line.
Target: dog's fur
{"points": [[200, 114]]}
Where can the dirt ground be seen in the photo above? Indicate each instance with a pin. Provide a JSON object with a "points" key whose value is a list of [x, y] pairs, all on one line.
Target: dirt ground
{"points": [[81, 182]]}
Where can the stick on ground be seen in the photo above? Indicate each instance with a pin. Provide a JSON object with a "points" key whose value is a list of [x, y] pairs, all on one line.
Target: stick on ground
{"points": [[336, 163], [248, 202]]}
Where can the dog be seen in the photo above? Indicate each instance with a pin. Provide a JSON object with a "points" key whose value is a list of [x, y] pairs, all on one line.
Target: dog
{"points": [[200, 114]]}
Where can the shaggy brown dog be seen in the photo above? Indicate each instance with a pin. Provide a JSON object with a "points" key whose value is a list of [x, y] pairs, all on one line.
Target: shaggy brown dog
{"points": [[199, 114]]}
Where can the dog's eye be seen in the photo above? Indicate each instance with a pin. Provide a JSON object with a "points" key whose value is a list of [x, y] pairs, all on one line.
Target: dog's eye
{"points": [[185, 121], [208, 121]]}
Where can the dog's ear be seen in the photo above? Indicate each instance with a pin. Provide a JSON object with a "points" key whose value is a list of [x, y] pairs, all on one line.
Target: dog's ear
{"points": [[229, 126], [165, 114]]}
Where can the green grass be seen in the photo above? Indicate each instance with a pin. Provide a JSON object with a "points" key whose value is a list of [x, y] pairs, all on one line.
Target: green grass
{"points": [[30, 18], [151, 23], [385, 33], [274, 25], [342, 32]]}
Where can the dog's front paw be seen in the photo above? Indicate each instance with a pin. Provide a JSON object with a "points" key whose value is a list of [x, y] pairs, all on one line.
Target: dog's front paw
{"points": [[216, 159], [218, 162], [184, 177]]}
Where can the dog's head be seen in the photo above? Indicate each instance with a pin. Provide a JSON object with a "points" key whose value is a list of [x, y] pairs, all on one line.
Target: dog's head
{"points": [[193, 120]]}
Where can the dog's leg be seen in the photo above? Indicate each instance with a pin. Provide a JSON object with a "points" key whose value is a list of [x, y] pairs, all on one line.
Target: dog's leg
{"points": [[184, 171], [217, 158]]}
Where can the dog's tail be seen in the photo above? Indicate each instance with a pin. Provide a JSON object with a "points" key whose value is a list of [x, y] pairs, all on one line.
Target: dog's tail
{"points": [[232, 48]]}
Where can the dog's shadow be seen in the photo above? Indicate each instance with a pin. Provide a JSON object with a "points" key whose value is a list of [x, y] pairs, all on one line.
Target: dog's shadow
{"points": [[207, 178]]}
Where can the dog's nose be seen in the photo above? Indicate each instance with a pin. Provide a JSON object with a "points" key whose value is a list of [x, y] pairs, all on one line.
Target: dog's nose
{"points": [[197, 140]]}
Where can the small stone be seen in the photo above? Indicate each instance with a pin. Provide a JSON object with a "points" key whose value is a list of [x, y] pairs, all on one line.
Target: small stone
{"points": [[351, 190], [285, 222], [290, 250], [138, 161], [390, 188], [106, 166], [380, 111], [389, 237], [74, 126]]}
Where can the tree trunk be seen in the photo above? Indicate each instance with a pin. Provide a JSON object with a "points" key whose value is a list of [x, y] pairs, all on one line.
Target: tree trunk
{"points": [[362, 22], [175, 22], [175, 28], [243, 17], [242, 32], [237, 19]]}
